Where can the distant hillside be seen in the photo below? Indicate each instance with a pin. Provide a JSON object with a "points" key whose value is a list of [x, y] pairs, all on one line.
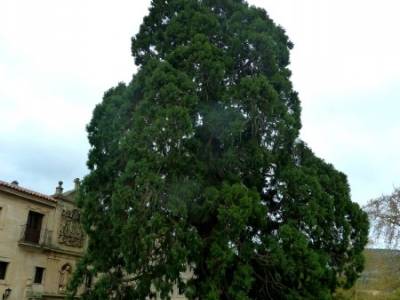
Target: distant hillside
{"points": [[380, 279]]}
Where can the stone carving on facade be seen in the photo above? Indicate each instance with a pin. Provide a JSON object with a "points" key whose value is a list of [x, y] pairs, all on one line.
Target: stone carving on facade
{"points": [[71, 232], [65, 274]]}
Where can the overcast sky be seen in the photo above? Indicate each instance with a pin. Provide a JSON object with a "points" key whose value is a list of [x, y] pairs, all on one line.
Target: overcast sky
{"points": [[57, 58]]}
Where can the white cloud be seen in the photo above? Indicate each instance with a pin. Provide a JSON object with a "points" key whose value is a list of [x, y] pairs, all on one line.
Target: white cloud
{"points": [[346, 67]]}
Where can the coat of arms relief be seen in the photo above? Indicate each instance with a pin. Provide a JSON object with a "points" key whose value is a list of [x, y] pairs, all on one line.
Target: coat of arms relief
{"points": [[71, 232]]}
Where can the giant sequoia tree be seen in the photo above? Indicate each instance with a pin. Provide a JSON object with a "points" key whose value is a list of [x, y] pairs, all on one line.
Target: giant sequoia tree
{"points": [[197, 164]]}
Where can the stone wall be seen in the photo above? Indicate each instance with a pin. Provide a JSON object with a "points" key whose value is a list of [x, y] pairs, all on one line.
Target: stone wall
{"points": [[60, 244]]}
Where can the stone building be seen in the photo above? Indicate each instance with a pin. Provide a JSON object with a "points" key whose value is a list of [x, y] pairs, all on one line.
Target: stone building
{"points": [[40, 242]]}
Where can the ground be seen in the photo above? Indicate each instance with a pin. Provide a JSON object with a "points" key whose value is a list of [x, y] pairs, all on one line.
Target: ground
{"points": [[380, 279]]}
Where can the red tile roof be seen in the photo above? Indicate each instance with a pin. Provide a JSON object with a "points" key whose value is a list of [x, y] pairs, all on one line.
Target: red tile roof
{"points": [[26, 191]]}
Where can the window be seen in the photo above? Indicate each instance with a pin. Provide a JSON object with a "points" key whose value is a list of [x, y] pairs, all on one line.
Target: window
{"points": [[3, 211], [33, 227], [38, 275], [3, 269], [181, 290], [88, 281]]}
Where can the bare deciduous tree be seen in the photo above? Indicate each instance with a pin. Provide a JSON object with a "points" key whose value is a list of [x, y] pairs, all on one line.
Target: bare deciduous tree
{"points": [[384, 213]]}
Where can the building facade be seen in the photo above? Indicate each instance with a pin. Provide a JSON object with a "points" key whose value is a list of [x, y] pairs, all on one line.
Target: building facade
{"points": [[41, 240]]}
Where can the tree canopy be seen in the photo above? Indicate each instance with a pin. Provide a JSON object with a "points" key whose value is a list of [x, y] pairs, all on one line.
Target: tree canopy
{"points": [[196, 165]]}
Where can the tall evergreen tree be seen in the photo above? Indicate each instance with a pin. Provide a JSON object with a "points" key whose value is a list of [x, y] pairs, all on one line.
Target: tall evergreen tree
{"points": [[196, 164]]}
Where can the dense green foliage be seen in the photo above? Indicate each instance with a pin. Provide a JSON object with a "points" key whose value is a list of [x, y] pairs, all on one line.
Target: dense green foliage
{"points": [[196, 164]]}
